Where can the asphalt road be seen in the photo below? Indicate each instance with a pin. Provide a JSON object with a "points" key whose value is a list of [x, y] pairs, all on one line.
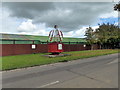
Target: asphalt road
{"points": [[95, 72]]}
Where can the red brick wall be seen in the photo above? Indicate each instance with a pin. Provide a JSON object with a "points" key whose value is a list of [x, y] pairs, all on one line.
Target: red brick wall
{"points": [[7, 49], [96, 47], [73, 47], [0, 49], [16, 49], [22, 49], [43, 48]]}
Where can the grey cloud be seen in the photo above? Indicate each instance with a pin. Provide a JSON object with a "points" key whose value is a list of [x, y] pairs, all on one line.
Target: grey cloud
{"points": [[68, 16], [27, 9]]}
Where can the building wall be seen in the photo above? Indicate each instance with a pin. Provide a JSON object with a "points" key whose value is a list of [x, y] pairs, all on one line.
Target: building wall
{"points": [[18, 49]]}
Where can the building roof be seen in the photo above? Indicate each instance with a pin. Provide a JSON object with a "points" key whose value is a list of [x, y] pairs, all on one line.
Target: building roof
{"points": [[34, 37]]}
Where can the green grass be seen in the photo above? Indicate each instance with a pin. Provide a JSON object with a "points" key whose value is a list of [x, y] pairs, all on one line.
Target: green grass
{"points": [[22, 61]]}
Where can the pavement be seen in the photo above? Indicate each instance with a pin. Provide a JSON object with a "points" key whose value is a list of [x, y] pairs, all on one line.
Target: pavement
{"points": [[95, 72]]}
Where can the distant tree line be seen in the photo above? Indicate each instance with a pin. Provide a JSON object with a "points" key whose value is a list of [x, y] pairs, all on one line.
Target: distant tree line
{"points": [[107, 36]]}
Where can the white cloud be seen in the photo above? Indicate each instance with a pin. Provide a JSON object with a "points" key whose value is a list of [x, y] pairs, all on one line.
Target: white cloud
{"points": [[78, 33], [68, 17], [68, 34], [41, 32], [116, 23], [8, 24], [0, 17], [95, 27], [113, 14], [27, 26], [24, 33]]}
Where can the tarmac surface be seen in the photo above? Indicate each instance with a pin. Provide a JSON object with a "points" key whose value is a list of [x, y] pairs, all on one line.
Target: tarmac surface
{"points": [[95, 72]]}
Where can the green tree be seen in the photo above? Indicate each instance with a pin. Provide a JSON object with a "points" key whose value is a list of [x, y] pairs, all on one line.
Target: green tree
{"points": [[107, 35], [117, 7], [90, 36]]}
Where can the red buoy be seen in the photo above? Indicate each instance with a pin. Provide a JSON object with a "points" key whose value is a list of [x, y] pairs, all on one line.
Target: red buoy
{"points": [[56, 46]]}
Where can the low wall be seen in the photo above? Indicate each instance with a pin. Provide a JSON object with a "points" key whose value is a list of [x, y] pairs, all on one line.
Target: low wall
{"points": [[17, 49]]}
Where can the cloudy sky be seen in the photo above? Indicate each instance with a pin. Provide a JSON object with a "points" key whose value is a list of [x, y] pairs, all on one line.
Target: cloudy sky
{"points": [[38, 18]]}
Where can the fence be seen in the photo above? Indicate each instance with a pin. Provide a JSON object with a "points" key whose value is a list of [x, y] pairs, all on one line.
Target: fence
{"points": [[17, 49], [10, 41]]}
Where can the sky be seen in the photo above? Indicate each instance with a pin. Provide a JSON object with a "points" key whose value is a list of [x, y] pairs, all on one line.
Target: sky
{"points": [[38, 18]]}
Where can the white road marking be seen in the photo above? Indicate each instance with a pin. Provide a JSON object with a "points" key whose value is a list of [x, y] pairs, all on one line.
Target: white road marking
{"points": [[115, 61], [49, 84]]}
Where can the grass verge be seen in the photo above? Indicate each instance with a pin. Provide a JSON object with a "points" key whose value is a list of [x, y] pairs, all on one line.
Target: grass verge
{"points": [[22, 61]]}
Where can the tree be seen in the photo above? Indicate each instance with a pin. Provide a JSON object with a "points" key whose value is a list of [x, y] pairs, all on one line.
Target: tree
{"points": [[107, 35], [90, 36], [117, 7], [102, 34]]}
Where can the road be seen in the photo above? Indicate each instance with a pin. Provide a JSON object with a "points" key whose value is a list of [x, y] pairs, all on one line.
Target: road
{"points": [[95, 72]]}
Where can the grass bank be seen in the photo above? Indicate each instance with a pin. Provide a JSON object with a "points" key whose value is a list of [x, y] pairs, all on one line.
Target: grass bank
{"points": [[22, 61]]}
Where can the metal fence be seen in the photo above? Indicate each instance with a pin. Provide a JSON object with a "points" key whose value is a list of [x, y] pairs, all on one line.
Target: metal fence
{"points": [[9, 41]]}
